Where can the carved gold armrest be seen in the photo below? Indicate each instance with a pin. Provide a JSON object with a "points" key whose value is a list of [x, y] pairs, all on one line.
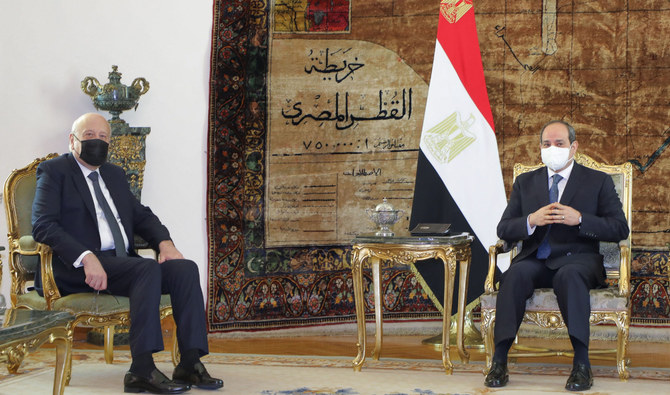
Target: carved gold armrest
{"points": [[624, 269], [500, 247], [494, 251], [51, 293]]}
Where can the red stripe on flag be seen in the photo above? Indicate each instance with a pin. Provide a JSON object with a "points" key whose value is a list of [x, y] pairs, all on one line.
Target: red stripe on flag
{"points": [[459, 41]]}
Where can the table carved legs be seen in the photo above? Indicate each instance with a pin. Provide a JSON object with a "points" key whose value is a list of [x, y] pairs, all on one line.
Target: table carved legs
{"points": [[357, 274], [61, 336], [463, 256], [373, 255]]}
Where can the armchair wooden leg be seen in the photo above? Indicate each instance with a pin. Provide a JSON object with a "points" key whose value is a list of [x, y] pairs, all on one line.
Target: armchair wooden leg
{"points": [[622, 346], [109, 344], [487, 322]]}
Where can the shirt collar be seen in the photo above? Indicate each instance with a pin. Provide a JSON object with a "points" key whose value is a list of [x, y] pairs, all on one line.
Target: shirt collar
{"points": [[565, 173], [85, 170]]}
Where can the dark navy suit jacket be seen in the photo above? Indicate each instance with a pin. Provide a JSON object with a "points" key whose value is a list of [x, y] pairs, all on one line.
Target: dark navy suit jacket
{"points": [[588, 191], [64, 216]]}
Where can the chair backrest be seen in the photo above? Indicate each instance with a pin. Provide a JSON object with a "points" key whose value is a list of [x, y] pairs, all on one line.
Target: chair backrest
{"points": [[622, 175], [19, 194]]}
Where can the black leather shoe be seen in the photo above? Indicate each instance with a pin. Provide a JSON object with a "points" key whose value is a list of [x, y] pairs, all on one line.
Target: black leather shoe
{"points": [[157, 383], [497, 376], [581, 378], [198, 377]]}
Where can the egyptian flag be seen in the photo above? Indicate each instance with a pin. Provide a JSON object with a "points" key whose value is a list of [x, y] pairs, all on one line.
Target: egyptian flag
{"points": [[458, 178]]}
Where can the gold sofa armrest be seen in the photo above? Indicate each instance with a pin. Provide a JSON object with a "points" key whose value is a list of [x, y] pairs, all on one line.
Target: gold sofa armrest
{"points": [[494, 251], [51, 293], [16, 271], [24, 246], [500, 247], [624, 269]]}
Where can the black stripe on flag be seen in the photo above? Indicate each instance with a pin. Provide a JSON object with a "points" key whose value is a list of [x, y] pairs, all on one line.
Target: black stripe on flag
{"points": [[433, 204]]}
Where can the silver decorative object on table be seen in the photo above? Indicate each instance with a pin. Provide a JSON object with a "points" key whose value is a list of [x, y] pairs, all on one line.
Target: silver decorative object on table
{"points": [[385, 216]]}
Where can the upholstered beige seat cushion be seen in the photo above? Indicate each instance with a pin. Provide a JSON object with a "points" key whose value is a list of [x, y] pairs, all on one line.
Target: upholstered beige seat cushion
{"points": [[84, 302], [27, 243], [544, 300], [31, 300], [30, 263]]}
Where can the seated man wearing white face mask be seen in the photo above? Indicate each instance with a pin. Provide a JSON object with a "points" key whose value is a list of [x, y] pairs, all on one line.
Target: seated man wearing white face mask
{"points": [[561, 212]]}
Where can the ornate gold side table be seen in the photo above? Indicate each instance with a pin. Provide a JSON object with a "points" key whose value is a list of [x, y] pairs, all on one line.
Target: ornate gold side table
{"points": [[23, 331], [452, 250]]}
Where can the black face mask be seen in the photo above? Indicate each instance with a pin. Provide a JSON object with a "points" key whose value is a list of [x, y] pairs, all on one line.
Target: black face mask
{"points": [[94, 151]]}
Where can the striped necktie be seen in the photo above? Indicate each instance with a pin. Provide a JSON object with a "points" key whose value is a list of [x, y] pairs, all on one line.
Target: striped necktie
{"points": [[544, 249]]}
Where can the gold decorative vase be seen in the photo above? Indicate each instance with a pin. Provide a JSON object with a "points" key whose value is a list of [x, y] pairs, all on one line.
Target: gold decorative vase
{"points": [[114, 96]]}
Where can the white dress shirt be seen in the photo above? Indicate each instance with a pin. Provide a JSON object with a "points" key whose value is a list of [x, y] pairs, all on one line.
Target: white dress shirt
{"points": [[106, 238], [565, 173]]}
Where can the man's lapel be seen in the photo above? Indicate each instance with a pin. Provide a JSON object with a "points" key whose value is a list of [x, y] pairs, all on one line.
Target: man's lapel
{"points": [[82, 187], [540, 189], [573, 183], [540, 193]]}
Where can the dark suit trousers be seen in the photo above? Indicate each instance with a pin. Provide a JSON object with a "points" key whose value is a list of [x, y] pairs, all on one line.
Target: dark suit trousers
{"points": [[143, 281], [571, 283]]}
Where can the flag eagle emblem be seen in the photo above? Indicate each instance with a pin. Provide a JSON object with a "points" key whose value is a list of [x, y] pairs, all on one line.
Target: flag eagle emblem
{"points": [[453, 10], [450, 137]]}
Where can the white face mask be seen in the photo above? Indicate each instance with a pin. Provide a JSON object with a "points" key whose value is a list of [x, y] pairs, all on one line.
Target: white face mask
{"points": [[555, 157]]}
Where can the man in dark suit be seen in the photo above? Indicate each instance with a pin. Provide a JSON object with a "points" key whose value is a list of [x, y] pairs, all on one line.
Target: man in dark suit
{"points": [[561, 212], [84, 210]]}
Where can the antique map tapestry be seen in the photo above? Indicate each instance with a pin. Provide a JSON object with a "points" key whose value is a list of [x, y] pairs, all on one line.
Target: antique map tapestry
{"points": [[316, 109]]}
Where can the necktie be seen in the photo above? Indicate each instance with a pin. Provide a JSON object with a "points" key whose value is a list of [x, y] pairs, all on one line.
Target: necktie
{"points": [[119, 244], [544, 249]]}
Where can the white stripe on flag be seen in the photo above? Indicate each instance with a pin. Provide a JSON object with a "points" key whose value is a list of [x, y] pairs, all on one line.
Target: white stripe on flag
{"points": [[461, 146]]}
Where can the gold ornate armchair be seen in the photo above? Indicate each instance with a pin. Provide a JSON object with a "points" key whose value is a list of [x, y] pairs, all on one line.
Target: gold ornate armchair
{"points": [[611, 304], [25, 256]]}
